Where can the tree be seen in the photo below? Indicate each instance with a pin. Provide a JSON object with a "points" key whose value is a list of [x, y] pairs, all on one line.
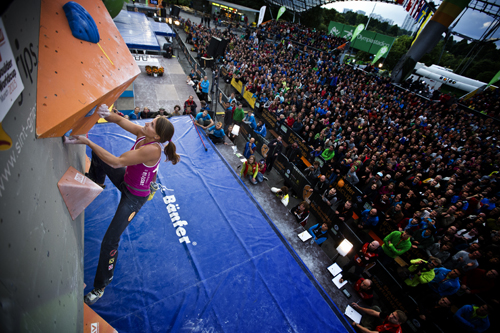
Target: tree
{"points": [[399, 48]]}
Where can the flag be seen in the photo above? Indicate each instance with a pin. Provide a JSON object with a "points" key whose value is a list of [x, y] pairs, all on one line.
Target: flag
{"points": [[383, 50], [356, 32], [419, 7], [400, 1], [261, 15], [493, 80], [280, 12], [409, 4], [429, 15], [423, 13]]}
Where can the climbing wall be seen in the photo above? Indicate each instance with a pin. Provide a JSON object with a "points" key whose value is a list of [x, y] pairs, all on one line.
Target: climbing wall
{"points": [[41, 247], [75, 75]]}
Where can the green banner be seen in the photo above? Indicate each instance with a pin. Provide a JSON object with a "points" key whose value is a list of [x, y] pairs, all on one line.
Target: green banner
{"points": [[358, 30], [364, 41], [335, 28], [280, 12], [379, 41], [494, 79], [347, 32]]}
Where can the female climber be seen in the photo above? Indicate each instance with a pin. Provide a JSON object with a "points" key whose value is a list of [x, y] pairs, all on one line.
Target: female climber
{"points": [[132, 173]]}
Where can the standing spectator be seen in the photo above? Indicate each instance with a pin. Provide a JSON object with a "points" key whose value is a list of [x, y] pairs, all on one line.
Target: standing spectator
{"points": [[328, 153], [369, 219], [238, 114], [250, 120], [205, 86], [478, 281], [395, 244], [446, 281], [420, 271], [389, 322], [191, 104], [344, 213], [261, 129], [472, 318], [293, 153], [464, 260], [275, 148]]}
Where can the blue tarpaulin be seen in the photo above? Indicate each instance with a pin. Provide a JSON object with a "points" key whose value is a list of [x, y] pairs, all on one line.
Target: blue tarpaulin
{"points": [[136, 31], [230, 270]]}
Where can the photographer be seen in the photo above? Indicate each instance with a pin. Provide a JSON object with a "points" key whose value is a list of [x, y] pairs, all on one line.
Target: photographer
{"points": [[419, 272]]}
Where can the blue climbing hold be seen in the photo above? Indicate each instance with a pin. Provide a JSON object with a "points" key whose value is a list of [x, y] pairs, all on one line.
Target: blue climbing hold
{"points": [[82, 25]]}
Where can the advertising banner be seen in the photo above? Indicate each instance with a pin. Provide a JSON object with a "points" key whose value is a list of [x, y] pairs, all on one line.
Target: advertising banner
{"points": [[335, 28], [380, 41], [364, 41]]}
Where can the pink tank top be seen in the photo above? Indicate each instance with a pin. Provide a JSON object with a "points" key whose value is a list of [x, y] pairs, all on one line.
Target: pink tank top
{"points": [[138, 177]]}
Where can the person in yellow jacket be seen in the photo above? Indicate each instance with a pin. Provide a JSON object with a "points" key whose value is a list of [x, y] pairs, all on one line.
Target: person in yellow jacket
{"points": [[421, 271], [250, 168]]}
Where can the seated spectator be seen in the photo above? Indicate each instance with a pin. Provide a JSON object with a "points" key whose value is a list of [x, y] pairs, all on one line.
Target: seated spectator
{"points": [[330, 196], [446, 281], [204, 120], [344, 213], [368, 220], [261, 129], [281, 193], [191, 104], [250, 169], [190, 82], [319, 233], [375, 320], [161, 112], [216, 133], [313, 172], [478, 281], [419, 272], [249, 148], [250, 120], [301, 213], [364, 288], [365, 256], [472, 318]]}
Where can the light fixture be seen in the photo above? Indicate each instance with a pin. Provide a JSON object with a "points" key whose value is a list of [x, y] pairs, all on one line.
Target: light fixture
{"points": [[170, 20], [176, 22], [380, 65], [344, 248]]}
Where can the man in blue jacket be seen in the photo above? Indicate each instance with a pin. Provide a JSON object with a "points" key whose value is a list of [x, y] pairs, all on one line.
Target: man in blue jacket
{"points": [[261, 129], [250, 120], [472, 318], [319, 233], [205, 86], [446, 282], [369, 219]]}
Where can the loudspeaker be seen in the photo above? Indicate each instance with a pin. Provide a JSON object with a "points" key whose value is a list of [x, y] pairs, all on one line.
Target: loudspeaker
{"points": [[221, 48], [175, 11], [213, 46]]}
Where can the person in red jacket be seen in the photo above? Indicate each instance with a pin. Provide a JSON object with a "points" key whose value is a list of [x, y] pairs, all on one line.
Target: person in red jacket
{"points": [[478, 281], [364, 289], [366, 255]]}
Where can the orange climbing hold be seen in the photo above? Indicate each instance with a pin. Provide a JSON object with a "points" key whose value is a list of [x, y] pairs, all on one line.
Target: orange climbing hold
{"points": [[74, 76], [77, 191]]}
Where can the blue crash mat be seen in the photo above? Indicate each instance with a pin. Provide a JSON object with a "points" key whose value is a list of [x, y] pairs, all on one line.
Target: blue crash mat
{"points": [[136, 31], [228, 270], [162, 29]]}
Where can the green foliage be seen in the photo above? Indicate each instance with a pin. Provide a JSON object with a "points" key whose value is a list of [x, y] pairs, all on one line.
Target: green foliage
{"points": [[399, 48]]}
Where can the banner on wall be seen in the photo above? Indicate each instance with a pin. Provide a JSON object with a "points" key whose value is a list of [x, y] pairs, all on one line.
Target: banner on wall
{"points": [[11, 84], [280, 12]]}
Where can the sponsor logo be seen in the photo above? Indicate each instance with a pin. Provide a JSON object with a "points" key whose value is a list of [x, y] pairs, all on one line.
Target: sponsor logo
{"points": [[112, 260], [112, 253], [110, 267], [94, 328]]}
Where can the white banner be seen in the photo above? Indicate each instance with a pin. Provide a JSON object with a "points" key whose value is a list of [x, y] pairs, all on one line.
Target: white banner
{"points": [[11, 84], [261, 15]]}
